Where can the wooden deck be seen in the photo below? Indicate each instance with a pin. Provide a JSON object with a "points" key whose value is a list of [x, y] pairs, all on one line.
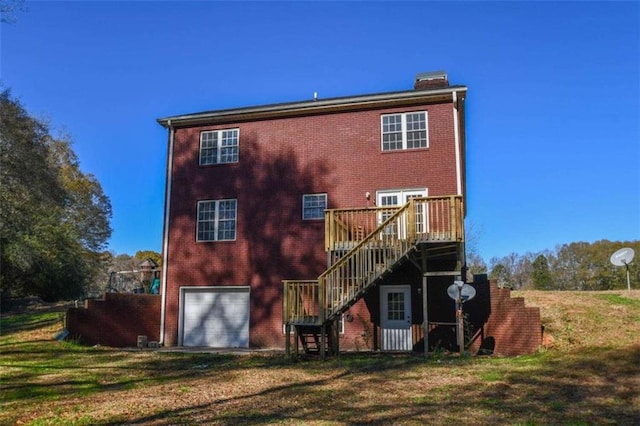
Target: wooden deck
{"points": [[364, 245], [427, 219]]}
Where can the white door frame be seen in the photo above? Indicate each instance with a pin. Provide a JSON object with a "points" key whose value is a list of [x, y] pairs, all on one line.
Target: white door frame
{"points": [[403, 196], [395, 333]]}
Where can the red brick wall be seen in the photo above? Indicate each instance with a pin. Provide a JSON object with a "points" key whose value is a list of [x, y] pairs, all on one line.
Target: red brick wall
{"points": [[279, 161], [511, 327], [117, 320], [359, 329], [503, 323]]}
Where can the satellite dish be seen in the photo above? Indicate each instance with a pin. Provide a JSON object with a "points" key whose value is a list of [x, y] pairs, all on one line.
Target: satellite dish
{"points": [[622, 257], [467, 293]]}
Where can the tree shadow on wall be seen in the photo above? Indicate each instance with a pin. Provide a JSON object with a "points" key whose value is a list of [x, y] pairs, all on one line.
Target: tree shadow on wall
{"points": [[280, 244], [272, 241]]}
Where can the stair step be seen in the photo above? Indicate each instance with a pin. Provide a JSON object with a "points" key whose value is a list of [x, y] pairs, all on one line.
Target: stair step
{"points": [[310, 337]]}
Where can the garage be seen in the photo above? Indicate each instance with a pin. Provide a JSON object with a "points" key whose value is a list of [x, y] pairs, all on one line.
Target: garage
{"points": [[214, 316]]}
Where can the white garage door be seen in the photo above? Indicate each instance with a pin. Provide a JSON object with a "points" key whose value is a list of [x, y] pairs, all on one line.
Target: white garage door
{"points": [[215, 316]]}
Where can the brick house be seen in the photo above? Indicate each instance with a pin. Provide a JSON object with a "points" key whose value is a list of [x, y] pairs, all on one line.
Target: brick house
{"points": [[340, 221]]}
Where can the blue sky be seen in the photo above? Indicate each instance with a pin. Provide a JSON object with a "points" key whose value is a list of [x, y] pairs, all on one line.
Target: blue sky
{"points": [[553, 131]]}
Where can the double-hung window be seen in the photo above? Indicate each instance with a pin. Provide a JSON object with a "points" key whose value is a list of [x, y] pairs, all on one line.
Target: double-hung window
{"points": [[219, 146], [404, 131], [313, 206], [217, 220]]}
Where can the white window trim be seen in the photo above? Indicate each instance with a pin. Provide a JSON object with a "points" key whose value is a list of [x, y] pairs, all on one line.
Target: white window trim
{"points": [[219, 147], [216, 221], [403, 116], [324, 194]]}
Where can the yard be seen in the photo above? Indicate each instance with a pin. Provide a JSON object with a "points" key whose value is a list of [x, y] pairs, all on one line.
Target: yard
{"points": [[590, 375]]}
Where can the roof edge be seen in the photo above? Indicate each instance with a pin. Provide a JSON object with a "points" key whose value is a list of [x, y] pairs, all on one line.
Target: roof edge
{"points": [[302, 107]]}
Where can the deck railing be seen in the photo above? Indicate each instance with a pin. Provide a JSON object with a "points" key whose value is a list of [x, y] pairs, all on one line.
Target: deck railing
{"points": [[344, 228], [367, 243], [437, 219], [301, 302]]}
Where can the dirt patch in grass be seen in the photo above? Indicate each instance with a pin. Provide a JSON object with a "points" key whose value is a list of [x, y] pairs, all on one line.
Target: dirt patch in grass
{"points": [[586, 378]]}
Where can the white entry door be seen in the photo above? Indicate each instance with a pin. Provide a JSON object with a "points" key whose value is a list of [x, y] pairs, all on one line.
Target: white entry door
{"points": [[395, 322]]}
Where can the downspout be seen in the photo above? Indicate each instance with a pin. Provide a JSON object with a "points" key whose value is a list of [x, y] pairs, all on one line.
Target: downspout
{"points": [[456, 134], [165, 232]]}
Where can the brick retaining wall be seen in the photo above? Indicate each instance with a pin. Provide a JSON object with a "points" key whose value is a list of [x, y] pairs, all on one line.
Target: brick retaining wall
{"points": [[117, 320], [510, 328]]}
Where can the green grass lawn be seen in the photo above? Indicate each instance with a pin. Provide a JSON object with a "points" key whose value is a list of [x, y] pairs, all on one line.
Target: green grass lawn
{"points": [[590, 376]]}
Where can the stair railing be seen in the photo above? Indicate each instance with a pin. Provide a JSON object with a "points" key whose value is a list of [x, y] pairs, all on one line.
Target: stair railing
{"points": [[347, 279], [366, 256]]}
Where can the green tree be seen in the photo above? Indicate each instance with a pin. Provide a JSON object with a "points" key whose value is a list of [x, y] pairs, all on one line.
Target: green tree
{"points": [[573, 266], [54, 219], [513, 271], [143, 255], [86, 208], [500, 273], [540, 274], [30, 193]]}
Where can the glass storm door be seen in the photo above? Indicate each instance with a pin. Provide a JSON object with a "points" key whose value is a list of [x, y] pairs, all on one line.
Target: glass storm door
{"points": [[395, 321]]}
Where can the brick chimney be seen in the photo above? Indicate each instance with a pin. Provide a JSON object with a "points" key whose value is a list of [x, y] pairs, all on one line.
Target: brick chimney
{"points": [[431, 80]]}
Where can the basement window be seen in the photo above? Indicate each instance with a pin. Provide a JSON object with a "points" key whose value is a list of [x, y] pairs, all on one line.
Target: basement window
{"points": [[313, 206], [404, 131], [219, 146]]}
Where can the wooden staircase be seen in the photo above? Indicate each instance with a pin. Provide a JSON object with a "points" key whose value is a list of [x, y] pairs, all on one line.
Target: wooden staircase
{"points": [[365, 246], [316, 339], [310, 340]]}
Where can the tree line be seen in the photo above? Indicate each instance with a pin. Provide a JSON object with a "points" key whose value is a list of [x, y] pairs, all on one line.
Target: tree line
{"points": [[573, 266], [54, 218]]}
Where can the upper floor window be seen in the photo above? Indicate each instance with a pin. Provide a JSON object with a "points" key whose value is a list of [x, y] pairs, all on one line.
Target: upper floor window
{"points": [[405, 131], [313, 206], [219, 146], [217, 220]]}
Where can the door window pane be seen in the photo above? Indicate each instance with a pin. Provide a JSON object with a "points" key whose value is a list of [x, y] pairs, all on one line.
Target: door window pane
{"points": [[395, 306]]}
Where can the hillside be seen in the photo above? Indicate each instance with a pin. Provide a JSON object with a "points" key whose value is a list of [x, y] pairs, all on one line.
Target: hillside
{"points": [[583, 319]]}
